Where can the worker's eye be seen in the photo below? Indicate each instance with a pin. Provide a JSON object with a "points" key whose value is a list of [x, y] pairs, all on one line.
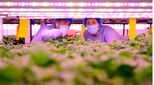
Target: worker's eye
{"points": [[64, 21], [88, 23]]}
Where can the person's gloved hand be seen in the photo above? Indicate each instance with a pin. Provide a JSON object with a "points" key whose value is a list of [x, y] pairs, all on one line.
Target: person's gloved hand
{"points": [[72, 33]]}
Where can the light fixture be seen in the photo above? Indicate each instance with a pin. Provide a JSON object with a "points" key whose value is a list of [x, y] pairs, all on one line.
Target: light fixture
{"points": [[74, 10], [77, 4]]}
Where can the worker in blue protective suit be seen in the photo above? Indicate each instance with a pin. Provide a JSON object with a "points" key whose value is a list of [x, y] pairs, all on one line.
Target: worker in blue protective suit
{"points": [[59, 28], [97, 32]]}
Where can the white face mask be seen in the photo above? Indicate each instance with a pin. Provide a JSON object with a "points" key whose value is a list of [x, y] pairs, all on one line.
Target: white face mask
{"points": [[92, 29], [64, 27]]}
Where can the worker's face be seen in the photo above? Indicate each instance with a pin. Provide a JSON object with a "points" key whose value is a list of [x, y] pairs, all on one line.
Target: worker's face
{"points": [[91, 22], [63, 22], [67, 23]]}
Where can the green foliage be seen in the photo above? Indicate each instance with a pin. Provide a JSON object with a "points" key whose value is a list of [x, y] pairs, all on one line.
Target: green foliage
{"points": [[11, 40], [125, 71], [125, 54], [144, 73], [77, 62], [41, 57], [149, 50], [29, 77], [10, 74]]}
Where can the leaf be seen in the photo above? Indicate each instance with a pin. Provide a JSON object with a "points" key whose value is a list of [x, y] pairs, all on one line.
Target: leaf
{"points": [[10, 74], [143, 74], [6, 54], [136, 39], [63, 51], [125, 71], [125, 54], [60, 39], [132, 44], [29, 76], [149, 50], [40, 56]]}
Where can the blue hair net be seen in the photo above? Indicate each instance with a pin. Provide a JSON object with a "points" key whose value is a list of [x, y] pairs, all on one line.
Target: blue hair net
{"points": [[65, 19], [99, 20]]}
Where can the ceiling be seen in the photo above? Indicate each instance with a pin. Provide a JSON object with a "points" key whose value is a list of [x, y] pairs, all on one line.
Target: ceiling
{"points": [[78, 9], [76, 0], [79, 21]]}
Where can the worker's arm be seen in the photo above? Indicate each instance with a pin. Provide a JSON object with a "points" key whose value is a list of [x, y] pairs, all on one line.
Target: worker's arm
{"points": [[38, 35], [85, 35], [110, 34], [53, 33]]}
